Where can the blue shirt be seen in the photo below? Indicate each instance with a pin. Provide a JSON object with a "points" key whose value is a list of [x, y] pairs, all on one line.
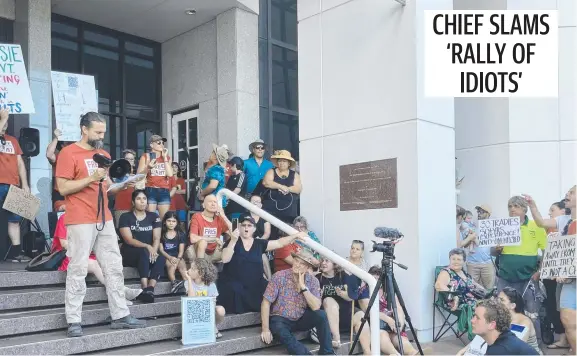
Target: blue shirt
{"points": [[254, 172], [215, 172]]}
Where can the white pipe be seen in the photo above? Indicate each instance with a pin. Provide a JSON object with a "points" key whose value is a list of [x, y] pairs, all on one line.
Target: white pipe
{"points": [[347, 265]]}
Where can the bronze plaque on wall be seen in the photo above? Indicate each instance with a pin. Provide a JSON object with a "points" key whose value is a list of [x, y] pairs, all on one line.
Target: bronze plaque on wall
{"points": [[369, 185]]}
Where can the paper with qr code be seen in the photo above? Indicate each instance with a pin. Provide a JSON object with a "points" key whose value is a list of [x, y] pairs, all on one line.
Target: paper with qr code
{"points": [[73, 95], [198, 317]]}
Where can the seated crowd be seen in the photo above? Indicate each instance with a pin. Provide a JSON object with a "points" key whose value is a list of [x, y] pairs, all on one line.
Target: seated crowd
{"points": [[248, 265]]}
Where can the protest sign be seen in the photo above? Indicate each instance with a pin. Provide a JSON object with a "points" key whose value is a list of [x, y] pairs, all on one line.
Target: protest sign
{"points": [[559, 257], [477, 347], [499, 232], [74, 95], [15, 93], [21, 203], [198, 318], [490, 53]]}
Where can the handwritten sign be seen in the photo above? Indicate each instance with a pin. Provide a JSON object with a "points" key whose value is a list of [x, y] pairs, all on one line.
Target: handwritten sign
{"points": [[21, 203], [559, 257], [74, 95], [15, 93], [499, 232], [198, 318]]}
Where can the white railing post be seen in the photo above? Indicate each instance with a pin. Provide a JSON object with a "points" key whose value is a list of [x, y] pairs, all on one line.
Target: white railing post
{"points": [[344, 263]]}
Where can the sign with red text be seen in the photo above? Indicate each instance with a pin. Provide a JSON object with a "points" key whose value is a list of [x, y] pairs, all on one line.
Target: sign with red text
{"points": [[15, 93], [499, 232]]}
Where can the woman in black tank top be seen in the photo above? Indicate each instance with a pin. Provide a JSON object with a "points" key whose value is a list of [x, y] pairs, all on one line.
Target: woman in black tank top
{"points": [[284, 187]]}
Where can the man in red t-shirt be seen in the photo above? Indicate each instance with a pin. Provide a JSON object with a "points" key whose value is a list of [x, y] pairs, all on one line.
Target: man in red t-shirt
{"points": [[78, 177], [13, 173], [205, 231]]}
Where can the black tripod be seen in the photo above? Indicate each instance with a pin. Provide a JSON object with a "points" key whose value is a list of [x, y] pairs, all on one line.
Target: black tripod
{"points": [[388, 278]]}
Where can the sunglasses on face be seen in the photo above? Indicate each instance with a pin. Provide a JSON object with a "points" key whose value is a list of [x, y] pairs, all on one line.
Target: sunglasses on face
{"points": [[359, 242], [259, 148], [159, 142]]}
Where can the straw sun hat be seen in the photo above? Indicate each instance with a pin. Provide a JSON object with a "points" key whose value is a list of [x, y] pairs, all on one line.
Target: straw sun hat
{"points": [[283, 154]]}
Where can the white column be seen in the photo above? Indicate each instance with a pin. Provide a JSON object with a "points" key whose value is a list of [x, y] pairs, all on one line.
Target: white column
{"points": [[361, 99], [32, 32]]}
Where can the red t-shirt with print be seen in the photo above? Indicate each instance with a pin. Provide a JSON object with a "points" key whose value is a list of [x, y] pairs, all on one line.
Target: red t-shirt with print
{"points": [[199, 226], [156, 177], [75, 163], [9, 153], [177, 201]]}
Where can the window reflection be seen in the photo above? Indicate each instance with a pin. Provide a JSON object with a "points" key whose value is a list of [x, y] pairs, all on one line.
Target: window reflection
{"points": [[284, 78], [103, 65], [284, 21], [286, 133], [138, 133], [141, 91]]}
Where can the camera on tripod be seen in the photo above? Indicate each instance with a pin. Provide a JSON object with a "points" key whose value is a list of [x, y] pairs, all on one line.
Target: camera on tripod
{"points": [[391, 237]]}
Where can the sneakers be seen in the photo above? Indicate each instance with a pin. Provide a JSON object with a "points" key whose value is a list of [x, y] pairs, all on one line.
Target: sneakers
{"points": [[176, 286], [131, 294], [21, 258], [128, 322], [74, 330], [147, 295]]}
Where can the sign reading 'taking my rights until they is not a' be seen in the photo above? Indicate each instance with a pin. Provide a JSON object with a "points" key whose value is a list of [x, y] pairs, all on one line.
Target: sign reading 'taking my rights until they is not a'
{"points": [[559, 257], [15, 93], [499, 232]]}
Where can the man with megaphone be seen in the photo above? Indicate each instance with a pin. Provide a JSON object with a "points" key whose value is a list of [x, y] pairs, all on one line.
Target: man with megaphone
{"points": [[82, 178]]}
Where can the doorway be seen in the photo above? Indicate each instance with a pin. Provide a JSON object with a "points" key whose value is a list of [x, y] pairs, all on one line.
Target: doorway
{"points": [[184, 132]]}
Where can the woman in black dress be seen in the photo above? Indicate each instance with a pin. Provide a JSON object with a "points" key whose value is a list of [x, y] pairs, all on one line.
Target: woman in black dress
{"points": [[284, 187], [241, 284]]}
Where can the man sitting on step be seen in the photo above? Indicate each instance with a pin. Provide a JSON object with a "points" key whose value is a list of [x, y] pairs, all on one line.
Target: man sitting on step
{"points": [[293, 301]]}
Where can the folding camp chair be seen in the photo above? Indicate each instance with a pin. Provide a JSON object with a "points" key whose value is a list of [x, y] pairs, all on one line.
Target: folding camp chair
{"points": [[446, 313]]}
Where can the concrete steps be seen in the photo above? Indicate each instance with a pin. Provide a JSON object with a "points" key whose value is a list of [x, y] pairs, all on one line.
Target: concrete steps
{"points": [[32, 321]]}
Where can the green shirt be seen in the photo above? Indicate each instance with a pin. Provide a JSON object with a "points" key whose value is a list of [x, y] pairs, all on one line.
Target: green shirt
{"points": [[519, 263]]}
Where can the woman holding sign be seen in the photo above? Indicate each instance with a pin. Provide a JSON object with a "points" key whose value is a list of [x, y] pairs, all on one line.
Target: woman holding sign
{"points": [[157, 166], [565, 224]]}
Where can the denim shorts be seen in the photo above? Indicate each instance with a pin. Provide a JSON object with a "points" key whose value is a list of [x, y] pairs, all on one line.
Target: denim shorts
{"points": [[160, 196], [4, 188], [567, 298]]}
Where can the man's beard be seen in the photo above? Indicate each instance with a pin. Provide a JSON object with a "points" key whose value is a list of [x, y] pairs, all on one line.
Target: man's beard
{"points": [[96, 144]]}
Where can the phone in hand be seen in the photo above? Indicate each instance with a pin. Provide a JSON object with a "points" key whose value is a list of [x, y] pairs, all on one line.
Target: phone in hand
{"points": [[235, 224], [152, 155]]}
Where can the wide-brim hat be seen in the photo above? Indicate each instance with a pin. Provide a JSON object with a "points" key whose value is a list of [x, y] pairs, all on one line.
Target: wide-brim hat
{"points": [[155, 138], [484, 207], [306, 256], [256, 142], [283, 154], [221, 153]]}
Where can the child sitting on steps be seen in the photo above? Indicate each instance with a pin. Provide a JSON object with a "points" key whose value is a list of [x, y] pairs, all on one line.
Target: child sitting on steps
{"points": [[200, 283]]}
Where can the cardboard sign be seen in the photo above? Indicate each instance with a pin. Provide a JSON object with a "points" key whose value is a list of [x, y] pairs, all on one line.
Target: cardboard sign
{"points": [[15, 93], [74, 95], [477, 347], [499, 232], [559, 257], [198, 317], [21, 203]]}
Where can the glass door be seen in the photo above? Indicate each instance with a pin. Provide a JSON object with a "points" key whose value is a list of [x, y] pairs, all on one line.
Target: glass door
{"points": [[185, 147]]}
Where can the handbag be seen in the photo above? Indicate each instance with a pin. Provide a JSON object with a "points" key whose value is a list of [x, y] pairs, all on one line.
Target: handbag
{"points": [[46, 261]]}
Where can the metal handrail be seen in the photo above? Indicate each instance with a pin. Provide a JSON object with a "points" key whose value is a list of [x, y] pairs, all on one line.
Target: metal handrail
{"points": [[347, 265]]}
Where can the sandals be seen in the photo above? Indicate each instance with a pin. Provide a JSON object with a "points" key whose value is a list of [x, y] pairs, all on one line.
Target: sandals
{"points": [[556, 346], [336, 344]]}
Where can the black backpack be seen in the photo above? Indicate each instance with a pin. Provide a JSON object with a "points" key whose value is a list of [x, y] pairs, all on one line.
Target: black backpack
{"points": [[46, 261]]}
